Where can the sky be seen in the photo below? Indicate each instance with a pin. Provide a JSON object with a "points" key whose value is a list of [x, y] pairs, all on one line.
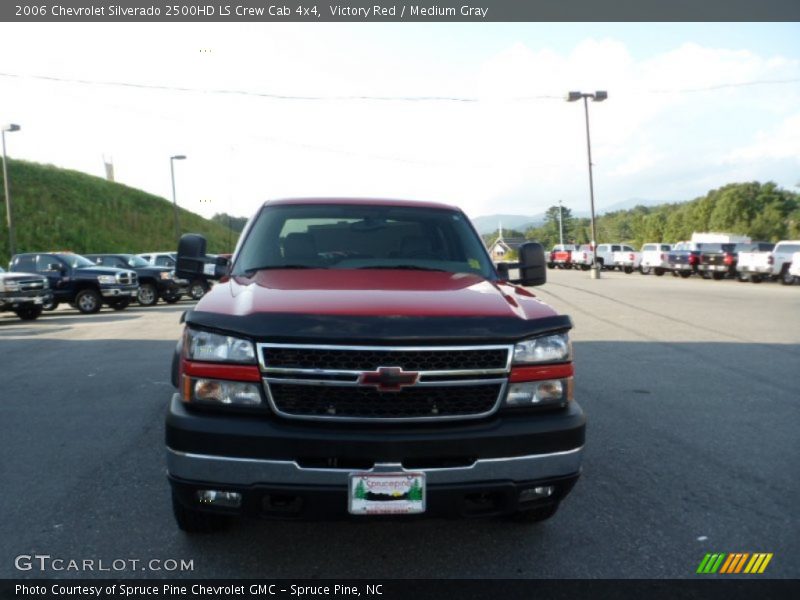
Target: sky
{"points": [[469, 114]]}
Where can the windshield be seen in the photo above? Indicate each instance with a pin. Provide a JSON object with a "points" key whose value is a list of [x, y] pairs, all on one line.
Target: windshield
{"points": [[326, 236], [76, 261], [135, 261]]}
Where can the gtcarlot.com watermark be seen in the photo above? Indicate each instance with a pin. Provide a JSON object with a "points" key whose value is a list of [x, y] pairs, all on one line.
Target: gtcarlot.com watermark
{"points": [[45, 563]]}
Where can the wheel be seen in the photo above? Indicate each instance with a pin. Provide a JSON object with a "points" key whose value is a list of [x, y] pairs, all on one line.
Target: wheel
{"points": [[658, 272], [585, 267], [29, 312], [88, 301], [535, 515], [602, 264], [755, 279], [786, 278], [717, 276], [628, 270], [195, 521], [120, 303], [568, 266], [645, 270], [172, 299], [197, 290], [146, 295], [685, 274], [49, 305]]}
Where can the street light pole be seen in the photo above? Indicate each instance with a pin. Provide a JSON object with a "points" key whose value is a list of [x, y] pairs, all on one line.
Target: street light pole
{"points": [[560, 224], [172, 160], [598, 96], [12, 244]]}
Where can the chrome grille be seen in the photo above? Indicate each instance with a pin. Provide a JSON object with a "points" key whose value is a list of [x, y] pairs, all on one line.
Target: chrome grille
{"points": [[328, 382], [32, 285], [127, 278]]}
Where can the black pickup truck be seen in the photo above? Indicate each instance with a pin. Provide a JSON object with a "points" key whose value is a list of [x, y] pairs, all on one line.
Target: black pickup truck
{"points": [[684, 258], [23, 293], [720, 260], [154, 282], [78, 281]]}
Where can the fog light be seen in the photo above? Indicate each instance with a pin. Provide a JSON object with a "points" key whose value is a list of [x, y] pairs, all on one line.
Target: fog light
{"points": [[536, 493], [539, 393], [218, 391], [219, 498]]}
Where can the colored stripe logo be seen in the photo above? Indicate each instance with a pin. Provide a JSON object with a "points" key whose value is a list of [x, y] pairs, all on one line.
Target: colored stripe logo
{"points": [[736, 562]]}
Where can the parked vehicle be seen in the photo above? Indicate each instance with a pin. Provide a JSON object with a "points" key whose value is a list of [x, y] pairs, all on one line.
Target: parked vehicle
{"points": [[78, 281], [758, 265], [583, 257], [154, 282], [366, 357], [717, 260], [195, 288], [605, 254], [655, 258], [794, 267], [23, 293], [684, 258], [627, 259], [561, 256]]}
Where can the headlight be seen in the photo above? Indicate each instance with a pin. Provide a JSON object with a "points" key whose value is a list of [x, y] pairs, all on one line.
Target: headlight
{"points": [[9, 286], [554, 392], [545, 349], [202, 345], [216, 391], [167, 275], [106, 279]]}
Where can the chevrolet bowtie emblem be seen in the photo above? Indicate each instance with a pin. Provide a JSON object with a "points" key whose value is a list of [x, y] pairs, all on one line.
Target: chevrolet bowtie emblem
{"points": [[389, 379]]}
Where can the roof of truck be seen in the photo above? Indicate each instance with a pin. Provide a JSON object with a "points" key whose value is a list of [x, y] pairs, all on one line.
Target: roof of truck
{"points": [[361, 201]]}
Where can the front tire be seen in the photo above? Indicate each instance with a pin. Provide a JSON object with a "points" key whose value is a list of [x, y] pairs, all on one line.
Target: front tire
{"points": [[197, 290], [88, 301], [50, 305], [685, 274], [717, 276], [146, 295], [786, 277], [171, 299], [644, 270], [628, 270], [658, 272], [195, 521], [29, 313]]}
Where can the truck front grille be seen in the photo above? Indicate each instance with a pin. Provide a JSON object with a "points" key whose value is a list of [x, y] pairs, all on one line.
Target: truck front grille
{"points": [[362, 359], [127, 278], [33, 285], [312, 401], [384, 383]]}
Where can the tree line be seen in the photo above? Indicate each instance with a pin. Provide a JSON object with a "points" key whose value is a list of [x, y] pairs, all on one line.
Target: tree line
{"points": [[762, 211]]}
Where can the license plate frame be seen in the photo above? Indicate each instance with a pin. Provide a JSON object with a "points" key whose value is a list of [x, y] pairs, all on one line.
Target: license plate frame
{"points": [[389, 493]]}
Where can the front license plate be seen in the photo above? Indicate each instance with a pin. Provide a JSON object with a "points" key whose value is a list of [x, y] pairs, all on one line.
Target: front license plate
{"points": [[386, 493]]}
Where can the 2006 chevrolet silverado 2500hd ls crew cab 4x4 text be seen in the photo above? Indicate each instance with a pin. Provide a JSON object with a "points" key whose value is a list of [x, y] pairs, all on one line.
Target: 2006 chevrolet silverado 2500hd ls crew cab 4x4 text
{"points": [[365, 357]]}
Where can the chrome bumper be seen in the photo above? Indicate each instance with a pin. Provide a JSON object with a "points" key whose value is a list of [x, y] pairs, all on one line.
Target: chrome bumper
{"points": [[247, 471]]}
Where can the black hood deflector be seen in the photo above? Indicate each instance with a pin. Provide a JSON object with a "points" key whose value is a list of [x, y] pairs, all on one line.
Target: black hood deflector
{"points": [[378, 330]]}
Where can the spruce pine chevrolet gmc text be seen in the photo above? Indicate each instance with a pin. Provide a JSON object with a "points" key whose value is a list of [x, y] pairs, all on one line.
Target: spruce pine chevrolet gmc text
{"points": [[363, 358]]}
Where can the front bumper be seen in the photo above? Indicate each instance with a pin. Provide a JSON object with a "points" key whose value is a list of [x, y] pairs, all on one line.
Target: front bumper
{"points": [[118, 291], [15, 299], [475, 468]]}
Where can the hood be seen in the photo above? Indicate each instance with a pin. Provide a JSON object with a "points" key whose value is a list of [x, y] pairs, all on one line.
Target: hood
{"points": [[151, 271], [15, 276], [102, 270], [336, 304]]}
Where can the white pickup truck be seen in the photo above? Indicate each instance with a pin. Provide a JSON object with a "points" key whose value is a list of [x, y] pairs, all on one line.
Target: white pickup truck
{"points": [[756, 266], [655, 258], [794, 267], [626, 259], [583, 257]]}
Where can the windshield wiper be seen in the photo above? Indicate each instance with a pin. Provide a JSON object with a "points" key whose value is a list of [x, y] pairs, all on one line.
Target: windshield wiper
{"points": [[406, 267], [275, 267]]}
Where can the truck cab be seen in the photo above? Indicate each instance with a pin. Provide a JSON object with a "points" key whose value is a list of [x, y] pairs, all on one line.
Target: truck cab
{"points": [[364, 358]]}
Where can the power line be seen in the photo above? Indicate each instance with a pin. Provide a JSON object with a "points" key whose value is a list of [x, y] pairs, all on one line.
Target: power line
{"points": [[345, 98]]}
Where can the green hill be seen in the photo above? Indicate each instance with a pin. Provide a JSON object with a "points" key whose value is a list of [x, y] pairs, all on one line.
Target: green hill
{"points": [[59, 209]]}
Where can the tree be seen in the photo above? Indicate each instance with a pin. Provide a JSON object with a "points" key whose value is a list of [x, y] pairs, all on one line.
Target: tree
{"points": [[361, 490]]}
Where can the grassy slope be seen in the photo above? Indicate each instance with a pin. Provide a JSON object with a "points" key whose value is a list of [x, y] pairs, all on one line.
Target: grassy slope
{"points": [[58, 209]]}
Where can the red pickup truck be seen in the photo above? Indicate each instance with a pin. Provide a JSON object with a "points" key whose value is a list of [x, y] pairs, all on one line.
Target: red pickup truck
{"points": [[361, 358]]}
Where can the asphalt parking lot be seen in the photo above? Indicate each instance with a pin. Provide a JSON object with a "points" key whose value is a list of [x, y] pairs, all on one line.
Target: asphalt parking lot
{"points": [[691, 388]]}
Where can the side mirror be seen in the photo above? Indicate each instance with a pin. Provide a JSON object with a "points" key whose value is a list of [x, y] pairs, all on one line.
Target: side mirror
{"points": [[532, 265], [193, 262]]}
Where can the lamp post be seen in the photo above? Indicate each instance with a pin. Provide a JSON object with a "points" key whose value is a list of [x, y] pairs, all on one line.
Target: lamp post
{"points": [[12, 245], [560, 224], [598, 96], [172, 160]]}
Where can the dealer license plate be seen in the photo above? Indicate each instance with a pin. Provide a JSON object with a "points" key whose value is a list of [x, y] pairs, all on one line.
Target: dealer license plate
{"points": [[387, 493]]}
